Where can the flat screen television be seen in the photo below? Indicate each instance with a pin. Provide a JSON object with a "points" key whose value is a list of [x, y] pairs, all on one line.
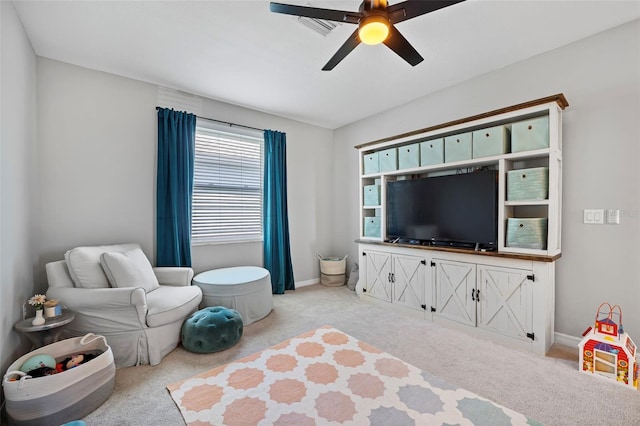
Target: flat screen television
{"points": [[453, 210]]}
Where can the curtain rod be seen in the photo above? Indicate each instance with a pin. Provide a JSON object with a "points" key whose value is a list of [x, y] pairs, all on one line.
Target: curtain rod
{"points": [[224, 122]]}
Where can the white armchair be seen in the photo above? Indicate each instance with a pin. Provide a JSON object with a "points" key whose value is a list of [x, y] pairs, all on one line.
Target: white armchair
{"points": [[114, 292]]}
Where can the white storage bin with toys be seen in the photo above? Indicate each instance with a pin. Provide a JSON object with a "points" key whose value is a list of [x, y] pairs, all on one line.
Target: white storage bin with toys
{"points": [[60, 382]]}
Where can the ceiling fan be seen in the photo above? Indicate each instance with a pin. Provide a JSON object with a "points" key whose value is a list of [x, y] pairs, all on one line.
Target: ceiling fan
{"points": [[375, 21]]}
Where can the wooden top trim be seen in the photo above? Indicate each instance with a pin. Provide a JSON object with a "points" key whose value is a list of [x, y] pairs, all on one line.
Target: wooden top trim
{"points": [[557, 98], [532, 257]]}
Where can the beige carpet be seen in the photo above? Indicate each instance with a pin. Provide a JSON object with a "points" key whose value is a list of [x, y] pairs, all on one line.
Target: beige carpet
{"points": [[549, 390], [325, 376]]}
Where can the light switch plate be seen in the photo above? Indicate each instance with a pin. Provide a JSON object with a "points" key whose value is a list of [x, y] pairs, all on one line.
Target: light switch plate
{"points": [[594, 216]]}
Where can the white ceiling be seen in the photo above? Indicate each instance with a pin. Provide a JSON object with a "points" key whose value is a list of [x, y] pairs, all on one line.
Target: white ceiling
{"points": [[240, 53]]}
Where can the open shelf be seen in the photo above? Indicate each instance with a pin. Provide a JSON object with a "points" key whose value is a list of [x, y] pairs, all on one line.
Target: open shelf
{"points": [[549, 109]]}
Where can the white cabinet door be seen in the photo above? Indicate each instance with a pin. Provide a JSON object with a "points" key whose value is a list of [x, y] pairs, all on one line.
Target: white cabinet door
{"points": [[505, 301], [408, 279], [377, 275], [455, 286]]}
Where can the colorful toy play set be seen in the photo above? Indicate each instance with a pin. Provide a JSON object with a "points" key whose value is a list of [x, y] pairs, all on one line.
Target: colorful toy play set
{"points": [[606, 350]]}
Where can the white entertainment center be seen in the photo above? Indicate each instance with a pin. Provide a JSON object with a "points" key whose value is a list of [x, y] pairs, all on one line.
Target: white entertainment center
{"points": [[507, 292]]}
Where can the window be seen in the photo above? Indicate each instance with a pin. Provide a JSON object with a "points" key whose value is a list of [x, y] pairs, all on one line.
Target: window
{"points": [[227, 186]]}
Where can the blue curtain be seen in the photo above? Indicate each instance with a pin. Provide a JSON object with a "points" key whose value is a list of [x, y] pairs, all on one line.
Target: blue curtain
{"points": [[176, 146], [277, 250]]}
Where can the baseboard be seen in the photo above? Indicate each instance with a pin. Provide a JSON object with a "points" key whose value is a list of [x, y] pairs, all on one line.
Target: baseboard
{"points": [[307, 282], [566, 340]]}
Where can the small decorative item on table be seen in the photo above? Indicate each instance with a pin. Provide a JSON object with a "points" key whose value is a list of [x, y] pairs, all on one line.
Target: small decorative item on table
{"points": [[47, 333], [37, 302], [52, 308]]}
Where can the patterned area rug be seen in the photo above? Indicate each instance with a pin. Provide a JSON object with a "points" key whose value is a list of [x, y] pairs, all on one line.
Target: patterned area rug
{"points": [[328, 377]]}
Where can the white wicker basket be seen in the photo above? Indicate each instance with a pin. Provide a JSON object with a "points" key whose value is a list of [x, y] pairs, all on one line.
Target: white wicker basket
{"points": [[65, 396], [333, 270]]}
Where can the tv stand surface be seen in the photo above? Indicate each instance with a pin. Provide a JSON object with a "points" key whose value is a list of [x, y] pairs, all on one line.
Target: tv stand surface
{"points": [[486, 252]]}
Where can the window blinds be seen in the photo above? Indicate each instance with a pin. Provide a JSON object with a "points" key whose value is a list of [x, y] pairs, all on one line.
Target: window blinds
{"points": [[227, 187]]}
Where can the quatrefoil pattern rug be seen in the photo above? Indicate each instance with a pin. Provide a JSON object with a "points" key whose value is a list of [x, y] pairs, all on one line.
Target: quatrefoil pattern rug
{"points": [[327, 377]]}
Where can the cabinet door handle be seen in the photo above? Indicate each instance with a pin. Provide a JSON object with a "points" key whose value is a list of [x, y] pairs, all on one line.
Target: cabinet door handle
{"points": [[475, 295], [389, 277]]}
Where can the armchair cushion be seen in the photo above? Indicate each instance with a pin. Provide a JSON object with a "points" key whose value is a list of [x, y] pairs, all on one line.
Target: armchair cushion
{"points": [[84, 264], [170, 304], [129, 269]]}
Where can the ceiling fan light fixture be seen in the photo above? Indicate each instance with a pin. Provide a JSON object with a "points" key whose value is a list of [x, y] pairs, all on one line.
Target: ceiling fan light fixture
{"points": [[373, 29], [376, 22]]}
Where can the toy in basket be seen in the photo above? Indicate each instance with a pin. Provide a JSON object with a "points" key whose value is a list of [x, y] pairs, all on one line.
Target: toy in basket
{"points": [[606, 350], [54, 398]]}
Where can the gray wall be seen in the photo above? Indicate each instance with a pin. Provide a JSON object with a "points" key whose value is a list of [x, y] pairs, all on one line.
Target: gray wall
{"points": [[600, 76], [97, 132], [87, 175], [18, 166]]}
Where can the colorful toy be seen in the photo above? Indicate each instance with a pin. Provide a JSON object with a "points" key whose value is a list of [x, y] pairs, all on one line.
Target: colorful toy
{"points": [[38, 361], [606, 350], [74, 361], [46, 365]]}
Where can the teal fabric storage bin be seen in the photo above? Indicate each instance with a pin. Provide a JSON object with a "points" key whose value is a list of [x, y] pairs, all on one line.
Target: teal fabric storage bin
{"points": [[371, 195], [409, 156], [432, 152], [531, 134], [457, 147], [389, 160], [528, 233], [491, 141], [528, 184], [371, 163], [372, 227]]}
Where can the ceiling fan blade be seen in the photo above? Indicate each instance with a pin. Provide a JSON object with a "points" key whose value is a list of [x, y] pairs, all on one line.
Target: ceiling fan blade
{"points": [[412, 8], [314, 12], [402, 47], [344, 50]]}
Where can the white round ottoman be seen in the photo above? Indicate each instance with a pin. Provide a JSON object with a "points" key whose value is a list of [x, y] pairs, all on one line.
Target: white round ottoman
{"points": [[247, 289]]}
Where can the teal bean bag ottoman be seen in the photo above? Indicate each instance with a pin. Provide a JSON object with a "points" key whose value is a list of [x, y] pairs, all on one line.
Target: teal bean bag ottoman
{"points": [[212, 329]]}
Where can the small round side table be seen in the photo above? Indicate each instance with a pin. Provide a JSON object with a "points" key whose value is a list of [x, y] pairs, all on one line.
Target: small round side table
{"points": [[47, 333]]}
